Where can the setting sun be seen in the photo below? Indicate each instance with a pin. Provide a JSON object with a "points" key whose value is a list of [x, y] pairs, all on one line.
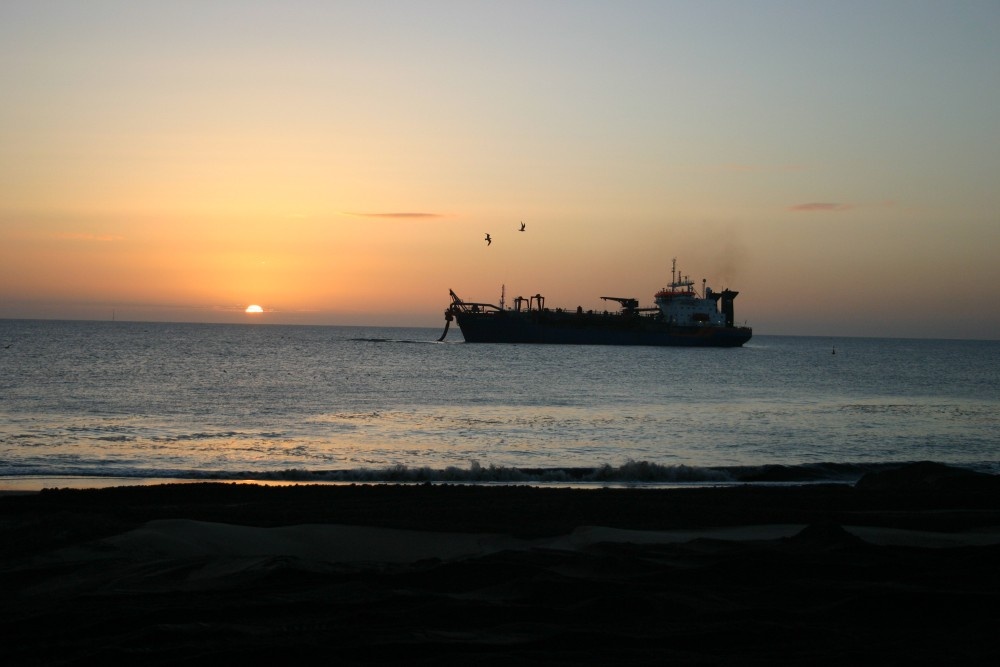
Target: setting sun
{"points": [[254, 309]]}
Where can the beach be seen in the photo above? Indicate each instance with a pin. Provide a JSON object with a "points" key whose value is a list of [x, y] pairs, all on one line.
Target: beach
{"points": [[899, 567]]}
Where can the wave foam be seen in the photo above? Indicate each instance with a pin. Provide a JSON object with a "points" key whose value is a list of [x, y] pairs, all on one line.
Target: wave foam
{"points": [[638, 473]]}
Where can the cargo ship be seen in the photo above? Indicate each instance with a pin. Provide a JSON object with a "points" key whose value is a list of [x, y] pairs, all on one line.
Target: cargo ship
{"points": [[681, 316]]}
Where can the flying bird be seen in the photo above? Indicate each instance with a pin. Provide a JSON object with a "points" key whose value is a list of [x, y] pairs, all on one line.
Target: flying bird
{"points": [[522, 227], [488, 239]]}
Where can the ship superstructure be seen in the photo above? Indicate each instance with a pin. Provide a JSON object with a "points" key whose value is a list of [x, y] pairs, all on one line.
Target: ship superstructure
{"points": [[681, 305]]}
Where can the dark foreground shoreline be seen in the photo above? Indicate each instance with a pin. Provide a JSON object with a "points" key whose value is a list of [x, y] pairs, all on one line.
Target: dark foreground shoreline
{"points": [[157, 574]]}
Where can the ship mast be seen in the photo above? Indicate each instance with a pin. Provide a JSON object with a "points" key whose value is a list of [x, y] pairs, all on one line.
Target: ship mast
{"points": [[677, 280]]}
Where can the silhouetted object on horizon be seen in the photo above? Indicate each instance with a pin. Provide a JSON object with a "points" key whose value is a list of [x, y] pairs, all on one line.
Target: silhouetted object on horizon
{"points": [[522, 227], [681, 316], [488, 240]]}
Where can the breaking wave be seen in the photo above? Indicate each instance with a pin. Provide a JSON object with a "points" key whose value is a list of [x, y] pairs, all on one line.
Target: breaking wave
{"points": [[632, 473]]}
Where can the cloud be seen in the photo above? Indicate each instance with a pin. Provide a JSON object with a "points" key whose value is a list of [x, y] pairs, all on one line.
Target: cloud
{"points": [[760, 168], [739, 168], [811, 207], [820, 206], [82, 236], [410, 216]]}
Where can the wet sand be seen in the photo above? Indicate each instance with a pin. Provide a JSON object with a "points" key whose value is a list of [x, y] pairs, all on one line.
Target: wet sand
{"points": [[902, 567]]}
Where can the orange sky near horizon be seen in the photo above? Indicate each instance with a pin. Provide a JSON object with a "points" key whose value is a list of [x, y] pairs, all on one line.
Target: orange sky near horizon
{"points": [[341, 164]]}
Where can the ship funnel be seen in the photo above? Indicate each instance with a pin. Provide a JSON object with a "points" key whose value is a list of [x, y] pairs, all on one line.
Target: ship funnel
{"points": [[728, 296]]}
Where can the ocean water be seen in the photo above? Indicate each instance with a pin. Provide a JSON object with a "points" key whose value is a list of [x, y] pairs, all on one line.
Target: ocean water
{"points": [[91, 400]]}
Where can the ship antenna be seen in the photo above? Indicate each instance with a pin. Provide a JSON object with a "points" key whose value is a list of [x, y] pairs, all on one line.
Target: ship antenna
{"points": [[503, 291]]}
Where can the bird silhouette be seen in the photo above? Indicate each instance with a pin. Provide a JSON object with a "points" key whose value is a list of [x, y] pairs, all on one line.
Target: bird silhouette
{"points": [[488, 239], [522, 227]]}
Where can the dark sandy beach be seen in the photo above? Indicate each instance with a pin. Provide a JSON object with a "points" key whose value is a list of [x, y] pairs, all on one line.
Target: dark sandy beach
{"points": [[903, 567]]}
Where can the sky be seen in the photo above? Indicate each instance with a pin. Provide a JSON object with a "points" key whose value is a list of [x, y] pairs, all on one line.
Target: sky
{"points": [[340, 162]]}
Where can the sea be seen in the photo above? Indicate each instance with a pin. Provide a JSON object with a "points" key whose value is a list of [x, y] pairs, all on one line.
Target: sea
{"points": [[110, 403]]}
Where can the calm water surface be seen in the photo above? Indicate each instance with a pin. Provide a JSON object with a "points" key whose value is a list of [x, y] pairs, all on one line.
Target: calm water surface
{"points": [[145, 400]]}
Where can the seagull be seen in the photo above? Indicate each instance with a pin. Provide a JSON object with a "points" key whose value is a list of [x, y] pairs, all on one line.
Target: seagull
{"points": [[522, 227], [488, 239]]}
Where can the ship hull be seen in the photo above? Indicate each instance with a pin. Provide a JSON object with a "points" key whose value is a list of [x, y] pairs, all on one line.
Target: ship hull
{"points": [[575, 329]]}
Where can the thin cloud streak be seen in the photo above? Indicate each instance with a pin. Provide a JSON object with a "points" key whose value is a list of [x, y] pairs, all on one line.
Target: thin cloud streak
{"points": [[820, 206], [836, 206], [761, 168], [78, 236], [397, 215]]}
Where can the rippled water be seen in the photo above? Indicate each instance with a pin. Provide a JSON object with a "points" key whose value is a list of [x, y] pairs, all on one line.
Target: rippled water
{"points": [[251, 401]]}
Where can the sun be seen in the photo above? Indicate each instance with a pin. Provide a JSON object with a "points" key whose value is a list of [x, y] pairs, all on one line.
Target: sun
{"points": [[254, 309]]}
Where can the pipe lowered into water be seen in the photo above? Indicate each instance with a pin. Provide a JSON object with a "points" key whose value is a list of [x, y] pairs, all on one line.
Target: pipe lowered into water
{"points": [[447, 323]]}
